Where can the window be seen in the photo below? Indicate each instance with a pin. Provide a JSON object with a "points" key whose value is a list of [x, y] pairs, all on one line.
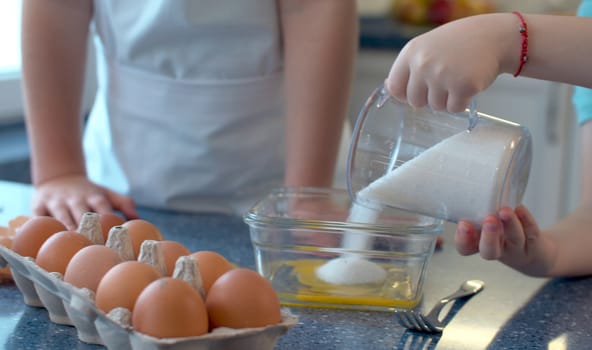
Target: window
{"points": [[11, 107]]}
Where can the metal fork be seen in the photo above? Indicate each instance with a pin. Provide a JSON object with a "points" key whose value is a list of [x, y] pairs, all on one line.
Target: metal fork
{"points": [[431, 322]]}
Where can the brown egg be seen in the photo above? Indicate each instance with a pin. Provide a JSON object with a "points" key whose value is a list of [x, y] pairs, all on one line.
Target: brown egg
{"points": [[109, 220], [17, 222], [6, 232], [211, 266], [55, 253], [89, 265], [169, 308], [30, 236], [141, 230], [6, 241], [171, 251], [241, 298], [122, 284]]}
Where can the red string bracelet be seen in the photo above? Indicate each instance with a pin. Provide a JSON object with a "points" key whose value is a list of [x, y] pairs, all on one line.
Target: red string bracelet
{"points": [[524, 48]]}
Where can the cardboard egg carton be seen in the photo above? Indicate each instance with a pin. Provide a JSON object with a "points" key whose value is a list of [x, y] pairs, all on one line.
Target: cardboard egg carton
{"points": [[69, 305]]}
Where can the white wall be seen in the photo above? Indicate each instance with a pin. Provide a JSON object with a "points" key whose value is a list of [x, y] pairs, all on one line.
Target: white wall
{"points": [[11, 102]]}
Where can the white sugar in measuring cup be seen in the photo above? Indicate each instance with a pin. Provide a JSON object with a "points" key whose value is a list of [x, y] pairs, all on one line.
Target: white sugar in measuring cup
{"points": [[445, 165]]}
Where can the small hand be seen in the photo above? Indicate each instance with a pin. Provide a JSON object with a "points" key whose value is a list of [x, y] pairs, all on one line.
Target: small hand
{"points": [[513, 238], [446, 67], [67, 198]]}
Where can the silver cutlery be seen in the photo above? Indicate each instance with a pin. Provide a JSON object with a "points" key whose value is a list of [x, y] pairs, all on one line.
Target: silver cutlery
{"points": [[431, 321]]}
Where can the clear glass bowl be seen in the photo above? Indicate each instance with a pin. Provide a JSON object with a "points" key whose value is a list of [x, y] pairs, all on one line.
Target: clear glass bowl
{"points": [[318, 252]]}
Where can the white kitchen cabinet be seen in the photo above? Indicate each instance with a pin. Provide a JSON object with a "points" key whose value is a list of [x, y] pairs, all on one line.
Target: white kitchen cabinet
{"points": [[544, 107]]}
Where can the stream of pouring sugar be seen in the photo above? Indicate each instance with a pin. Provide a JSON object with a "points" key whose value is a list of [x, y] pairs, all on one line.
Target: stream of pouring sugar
{"points": [[353, 268]]}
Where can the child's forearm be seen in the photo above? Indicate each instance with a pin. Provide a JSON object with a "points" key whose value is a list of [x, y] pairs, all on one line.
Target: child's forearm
{"points": [[573, 239], [320, 41], [559, 48], [54, 42]]}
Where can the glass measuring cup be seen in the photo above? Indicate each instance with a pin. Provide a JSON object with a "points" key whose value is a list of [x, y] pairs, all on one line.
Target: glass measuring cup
{"points": [[445, 165]]}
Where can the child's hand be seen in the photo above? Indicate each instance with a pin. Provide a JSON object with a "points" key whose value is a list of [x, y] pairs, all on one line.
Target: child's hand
{"points": [[445, 67], [513, 238], [67, 198]]}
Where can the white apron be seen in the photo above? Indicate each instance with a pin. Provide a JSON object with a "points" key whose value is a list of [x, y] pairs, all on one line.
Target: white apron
{"points": [[189, 109]]}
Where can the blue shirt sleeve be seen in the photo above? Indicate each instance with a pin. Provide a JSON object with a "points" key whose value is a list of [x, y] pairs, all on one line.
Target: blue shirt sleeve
{"points": [[582, 97]]}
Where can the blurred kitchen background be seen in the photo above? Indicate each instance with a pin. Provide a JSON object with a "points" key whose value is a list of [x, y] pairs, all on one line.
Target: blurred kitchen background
{"points": [[385, 26]]}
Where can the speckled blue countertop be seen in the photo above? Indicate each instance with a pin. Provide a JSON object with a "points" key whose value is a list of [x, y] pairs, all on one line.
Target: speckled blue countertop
{"points": [[512, 312]]}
